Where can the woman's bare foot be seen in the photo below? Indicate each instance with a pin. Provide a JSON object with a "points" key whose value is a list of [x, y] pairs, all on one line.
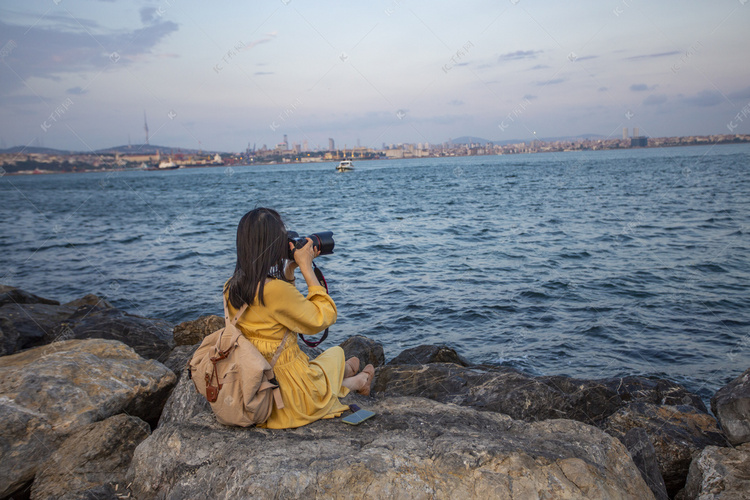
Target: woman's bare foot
{"points": [[369, 370], [351, 367], [360, 382]]}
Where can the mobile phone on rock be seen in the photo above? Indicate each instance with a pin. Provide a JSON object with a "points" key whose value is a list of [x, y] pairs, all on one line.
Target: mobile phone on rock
{"points": [[358, 416]]}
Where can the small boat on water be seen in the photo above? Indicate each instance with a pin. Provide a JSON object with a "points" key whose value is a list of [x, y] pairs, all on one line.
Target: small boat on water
{"points": [[168, 165], [345, 165]]}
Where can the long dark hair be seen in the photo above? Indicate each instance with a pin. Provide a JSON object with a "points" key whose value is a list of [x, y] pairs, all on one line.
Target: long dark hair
{"points": [[261, 249]]}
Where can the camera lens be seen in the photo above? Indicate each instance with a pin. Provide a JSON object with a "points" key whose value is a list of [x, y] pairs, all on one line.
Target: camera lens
{"points": [[323, 241]]}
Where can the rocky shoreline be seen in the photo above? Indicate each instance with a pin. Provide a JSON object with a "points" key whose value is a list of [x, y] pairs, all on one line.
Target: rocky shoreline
{"points": [[94, 405]]}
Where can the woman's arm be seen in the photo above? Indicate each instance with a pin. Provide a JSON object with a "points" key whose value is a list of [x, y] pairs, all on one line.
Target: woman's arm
{"points": [[307, 315], [303, 257], [289, 270]]}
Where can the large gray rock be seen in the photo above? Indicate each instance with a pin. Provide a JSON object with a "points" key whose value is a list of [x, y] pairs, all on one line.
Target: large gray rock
{"points": [[731, 405], [642, 452], [49, 392], [90, 300], [424, 354], [367, 350], [28, 321], [677, 434], [193, 332], [28, 325], [523, 396], [719, 474], [8, 337], [13, 295], [184, 403], [413, 448], [95, 456], [150, 338], [179, 358], [648, 390]]}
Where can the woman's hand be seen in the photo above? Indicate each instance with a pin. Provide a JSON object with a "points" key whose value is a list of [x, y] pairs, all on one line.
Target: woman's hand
{"points": [[305, 255]]}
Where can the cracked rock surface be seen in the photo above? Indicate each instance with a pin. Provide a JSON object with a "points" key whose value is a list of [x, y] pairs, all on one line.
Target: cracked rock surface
{"points": [[412, 448], [50, 392]]}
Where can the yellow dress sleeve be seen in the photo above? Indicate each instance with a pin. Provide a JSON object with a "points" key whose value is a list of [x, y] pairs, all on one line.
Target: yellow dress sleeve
{"points": [[306, 315]]}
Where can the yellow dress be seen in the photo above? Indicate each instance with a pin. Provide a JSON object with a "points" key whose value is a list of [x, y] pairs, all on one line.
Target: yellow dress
{"points": [[310, 389]]}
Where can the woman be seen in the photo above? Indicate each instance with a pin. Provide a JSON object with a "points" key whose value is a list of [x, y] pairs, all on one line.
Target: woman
{"points": [[262, 278]]}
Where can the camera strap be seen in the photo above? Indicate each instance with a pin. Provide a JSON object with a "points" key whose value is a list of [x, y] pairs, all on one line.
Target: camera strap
{"points": [[322, 279]]}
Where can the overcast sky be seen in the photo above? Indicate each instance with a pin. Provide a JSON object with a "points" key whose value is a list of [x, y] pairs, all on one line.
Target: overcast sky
{"points": [[79, 74]]}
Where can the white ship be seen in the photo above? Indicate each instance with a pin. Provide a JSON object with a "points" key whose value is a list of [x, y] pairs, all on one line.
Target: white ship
{"points": [[345, 165], [168, 165]]}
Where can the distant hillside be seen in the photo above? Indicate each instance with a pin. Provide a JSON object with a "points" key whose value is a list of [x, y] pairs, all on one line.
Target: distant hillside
{"points": [[569, 138], [31, 150], [576, 138], [467, 139], [150, 149], [134, 149]]}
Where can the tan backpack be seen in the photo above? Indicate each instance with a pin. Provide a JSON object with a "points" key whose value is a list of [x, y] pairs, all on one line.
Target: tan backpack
{"points": [[237, 381]]}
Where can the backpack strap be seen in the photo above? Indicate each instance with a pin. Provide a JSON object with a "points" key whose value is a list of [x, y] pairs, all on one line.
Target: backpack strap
{"points": [[279, 349], [272, 377], [230, 321], [236, 318]]}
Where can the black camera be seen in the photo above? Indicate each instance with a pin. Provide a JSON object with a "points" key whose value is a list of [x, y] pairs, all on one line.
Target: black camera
{"points": [[321, 241]]}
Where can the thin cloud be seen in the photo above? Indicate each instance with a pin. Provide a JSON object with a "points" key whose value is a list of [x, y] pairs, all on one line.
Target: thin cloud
{"points": [[456, 102], [47, 52], [741, 94], [76, 91], [652, 56], [22, 102], [586, 58], [265, 39], [262, 73], [539, 66], [518, 55], [655, 100], [148, 15], [530, 97], [59, 21], [705, 98], [641, 87], [554, 81]]}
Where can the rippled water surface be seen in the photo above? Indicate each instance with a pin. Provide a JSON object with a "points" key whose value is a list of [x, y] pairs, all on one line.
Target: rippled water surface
{"points": [[588, 264]]}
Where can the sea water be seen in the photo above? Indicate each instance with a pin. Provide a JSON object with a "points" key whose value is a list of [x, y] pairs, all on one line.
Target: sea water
{"points": [[590, 264]]}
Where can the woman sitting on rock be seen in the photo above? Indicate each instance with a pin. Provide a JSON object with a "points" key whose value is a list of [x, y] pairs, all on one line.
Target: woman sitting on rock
{"points": [[264, 279]]}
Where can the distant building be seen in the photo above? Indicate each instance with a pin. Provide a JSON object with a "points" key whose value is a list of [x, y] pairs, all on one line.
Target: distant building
{"points": [[635, 132], [638, 142], [331, 146], [624, 133]]}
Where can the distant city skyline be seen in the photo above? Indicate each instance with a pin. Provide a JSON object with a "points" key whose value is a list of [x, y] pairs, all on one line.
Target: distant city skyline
{"points": [[81, 75]]}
